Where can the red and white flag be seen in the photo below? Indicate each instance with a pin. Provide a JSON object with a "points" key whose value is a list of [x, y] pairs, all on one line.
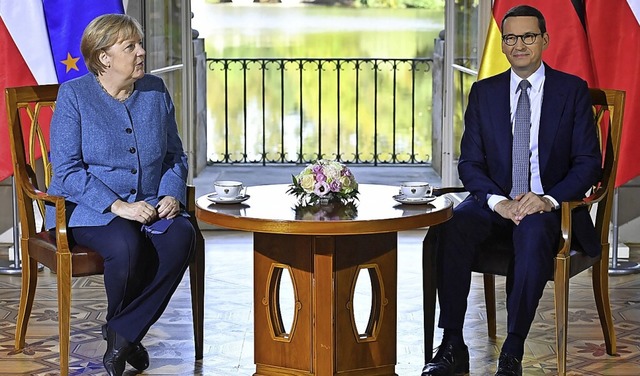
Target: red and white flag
{"points": [[40, 44], [613, 28], [25, 59]]}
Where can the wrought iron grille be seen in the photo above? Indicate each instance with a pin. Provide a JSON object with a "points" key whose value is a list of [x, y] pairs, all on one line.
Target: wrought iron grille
{"points": [[275, 110]]}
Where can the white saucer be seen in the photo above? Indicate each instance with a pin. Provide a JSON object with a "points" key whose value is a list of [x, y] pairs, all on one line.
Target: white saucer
{"points": [[413, 200], [227, 200]]}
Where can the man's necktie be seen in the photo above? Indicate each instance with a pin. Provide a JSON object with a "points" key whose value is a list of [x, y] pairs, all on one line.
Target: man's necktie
{"points": [[520, 148]]}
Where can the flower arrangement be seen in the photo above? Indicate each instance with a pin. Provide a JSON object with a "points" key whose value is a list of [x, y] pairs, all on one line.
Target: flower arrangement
{"points": [[324, 180], [328, 212]]}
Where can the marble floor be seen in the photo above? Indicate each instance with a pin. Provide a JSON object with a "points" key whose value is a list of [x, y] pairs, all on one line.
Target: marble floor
{"points": [[229, 322]]}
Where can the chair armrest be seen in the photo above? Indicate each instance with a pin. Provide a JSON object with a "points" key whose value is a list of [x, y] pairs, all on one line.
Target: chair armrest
{"points": [[191, 199], [61, 219], [597, 196], [439, 191], [567, 208]]}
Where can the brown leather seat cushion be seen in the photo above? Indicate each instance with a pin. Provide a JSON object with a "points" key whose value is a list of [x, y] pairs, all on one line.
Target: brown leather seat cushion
{"points": [[84, 260]]}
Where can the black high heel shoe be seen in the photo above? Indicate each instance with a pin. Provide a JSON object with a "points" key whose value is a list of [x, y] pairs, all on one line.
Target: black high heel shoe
{"points": [[118, 350], [139, 357]]}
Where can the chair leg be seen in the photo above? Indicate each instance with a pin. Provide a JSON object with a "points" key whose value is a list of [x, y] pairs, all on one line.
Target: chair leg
{"points": [[561, 283], [600, 280], [429, 285], [196, 275], [27, 294], [490, 302], [64, 309]]}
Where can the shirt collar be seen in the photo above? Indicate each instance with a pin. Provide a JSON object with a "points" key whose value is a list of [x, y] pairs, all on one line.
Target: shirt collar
{"points": [[536, 80]]}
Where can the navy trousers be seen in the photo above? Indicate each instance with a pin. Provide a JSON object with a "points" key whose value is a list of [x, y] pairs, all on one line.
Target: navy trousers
{"points": [[141, 271], [535, 242]]}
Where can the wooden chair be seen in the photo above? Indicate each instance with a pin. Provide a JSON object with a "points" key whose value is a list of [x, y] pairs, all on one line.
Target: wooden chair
{"points": [[494, 258], [26, 107]]}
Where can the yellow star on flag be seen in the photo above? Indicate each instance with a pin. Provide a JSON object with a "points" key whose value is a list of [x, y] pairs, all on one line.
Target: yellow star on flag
{"points": [[70, 63]]}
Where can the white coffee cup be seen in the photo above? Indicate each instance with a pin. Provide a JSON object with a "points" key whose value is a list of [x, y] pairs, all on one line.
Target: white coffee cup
{"points": [[227, 188], [416, 189]]}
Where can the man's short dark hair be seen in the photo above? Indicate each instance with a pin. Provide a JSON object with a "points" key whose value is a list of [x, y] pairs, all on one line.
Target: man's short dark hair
{"points": [[526, 11]]}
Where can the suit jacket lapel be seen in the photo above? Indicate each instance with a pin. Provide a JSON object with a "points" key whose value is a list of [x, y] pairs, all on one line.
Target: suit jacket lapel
{"points": [[501, 115], [553, 103]]}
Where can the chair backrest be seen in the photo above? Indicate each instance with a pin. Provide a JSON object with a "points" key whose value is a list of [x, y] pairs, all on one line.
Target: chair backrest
{"points": [[608, 107], [29, 111]]}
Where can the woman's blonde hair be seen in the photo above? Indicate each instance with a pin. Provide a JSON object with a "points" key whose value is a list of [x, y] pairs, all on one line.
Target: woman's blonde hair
{"points": [[103, 32]]}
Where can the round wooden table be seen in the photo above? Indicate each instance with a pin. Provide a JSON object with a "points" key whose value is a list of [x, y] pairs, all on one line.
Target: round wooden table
{"points": [[324, 248]]}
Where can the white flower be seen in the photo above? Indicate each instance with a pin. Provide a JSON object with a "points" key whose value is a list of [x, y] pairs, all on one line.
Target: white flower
{"points": [[347, 184], [307, 182], [332, 171]]}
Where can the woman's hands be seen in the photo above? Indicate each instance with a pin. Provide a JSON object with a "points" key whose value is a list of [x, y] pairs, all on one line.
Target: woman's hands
{"points": [[143, 212], [139, 211], [168, 207]]}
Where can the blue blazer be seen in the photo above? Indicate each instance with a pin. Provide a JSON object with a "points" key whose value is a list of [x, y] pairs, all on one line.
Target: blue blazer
{"points": [[103, 150], [569, 151]]}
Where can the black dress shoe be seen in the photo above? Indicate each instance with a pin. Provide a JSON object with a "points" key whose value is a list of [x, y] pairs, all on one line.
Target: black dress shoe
{"points": [[139, 357], [449, 360], [118, 350], [509, 365]]}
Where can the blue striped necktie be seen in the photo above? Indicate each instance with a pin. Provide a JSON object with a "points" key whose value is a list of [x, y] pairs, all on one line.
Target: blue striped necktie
{"points": [[520, 149]]}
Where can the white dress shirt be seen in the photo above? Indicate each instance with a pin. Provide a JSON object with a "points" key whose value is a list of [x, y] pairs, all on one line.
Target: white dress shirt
{"points": [[535, 99]]}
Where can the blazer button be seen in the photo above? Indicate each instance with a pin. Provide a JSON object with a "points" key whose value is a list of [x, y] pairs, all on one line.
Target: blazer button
{"points": [[134, 171], [132, 191], [129, 130], [132, 150]]}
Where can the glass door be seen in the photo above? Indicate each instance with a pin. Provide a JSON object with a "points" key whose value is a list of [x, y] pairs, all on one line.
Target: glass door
{"points": [[167, 27], [466, 26]]}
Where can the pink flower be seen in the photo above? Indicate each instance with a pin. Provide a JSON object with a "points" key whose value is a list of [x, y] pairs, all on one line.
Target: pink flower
{"points": [[320, 177], [321, 188], [335, 186]]}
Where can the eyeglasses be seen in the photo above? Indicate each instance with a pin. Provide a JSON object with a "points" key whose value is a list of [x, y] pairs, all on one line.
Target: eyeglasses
{"points": [[512, 39]]}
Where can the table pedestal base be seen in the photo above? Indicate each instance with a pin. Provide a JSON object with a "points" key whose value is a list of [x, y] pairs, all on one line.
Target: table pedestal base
{"points": [[323, 339]]}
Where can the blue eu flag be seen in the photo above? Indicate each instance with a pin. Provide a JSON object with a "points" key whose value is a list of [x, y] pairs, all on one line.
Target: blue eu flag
{"points": [[66, 20]]}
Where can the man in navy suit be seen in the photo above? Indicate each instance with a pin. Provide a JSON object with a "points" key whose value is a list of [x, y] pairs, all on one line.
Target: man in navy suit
{"points": [[562, 162]]}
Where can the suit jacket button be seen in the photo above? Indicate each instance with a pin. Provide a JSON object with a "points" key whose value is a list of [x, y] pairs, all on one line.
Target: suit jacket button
{"points": [[129, 130], [134, 171], [133, 191], [132, 150]]}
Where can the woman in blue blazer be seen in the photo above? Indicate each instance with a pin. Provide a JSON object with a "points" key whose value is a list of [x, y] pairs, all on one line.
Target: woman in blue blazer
{"points": [[119, 162]]}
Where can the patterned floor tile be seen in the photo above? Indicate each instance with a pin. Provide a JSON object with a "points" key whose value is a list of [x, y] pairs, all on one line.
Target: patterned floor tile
{"points": [[229, 322]]}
